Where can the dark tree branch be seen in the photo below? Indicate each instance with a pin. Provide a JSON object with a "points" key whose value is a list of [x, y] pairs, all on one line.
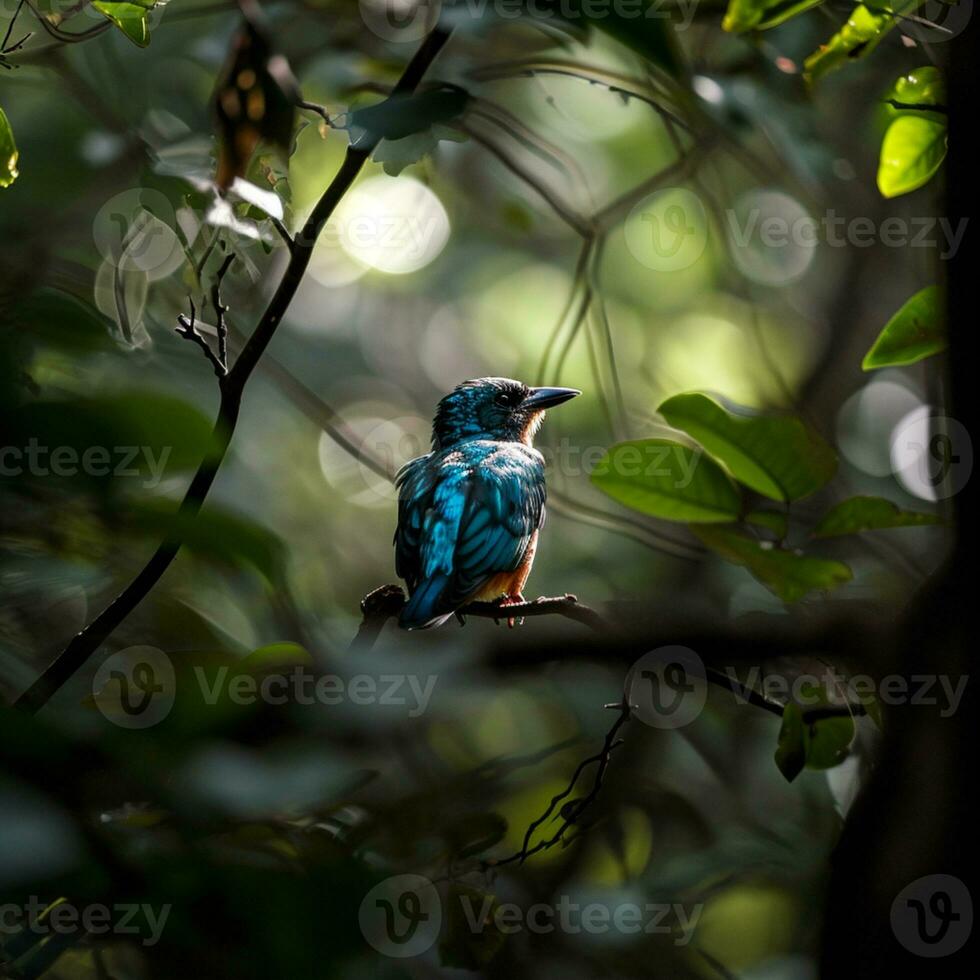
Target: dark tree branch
{"points": [[220, 310], [572, 811], [85, 643], [186, 327], [386, 602]]}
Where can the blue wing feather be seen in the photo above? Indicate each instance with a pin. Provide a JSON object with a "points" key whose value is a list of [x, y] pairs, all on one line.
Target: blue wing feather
{"points": [[464, 516]]}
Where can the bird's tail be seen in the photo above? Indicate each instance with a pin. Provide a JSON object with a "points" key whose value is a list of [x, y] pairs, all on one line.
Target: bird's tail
{"points": [[424, 608]]}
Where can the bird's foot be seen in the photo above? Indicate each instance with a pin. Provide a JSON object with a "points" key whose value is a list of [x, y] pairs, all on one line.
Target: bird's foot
{"points": [[512, 600], [460, 618]]}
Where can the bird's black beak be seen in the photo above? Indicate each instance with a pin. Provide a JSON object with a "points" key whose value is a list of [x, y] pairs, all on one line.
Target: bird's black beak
{"points": [[541, 398]]}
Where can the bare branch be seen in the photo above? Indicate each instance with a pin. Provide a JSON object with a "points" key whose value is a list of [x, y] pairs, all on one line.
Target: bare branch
{"points": [[187, 328]]}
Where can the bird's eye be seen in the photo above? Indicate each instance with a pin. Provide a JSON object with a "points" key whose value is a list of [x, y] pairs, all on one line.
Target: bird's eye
{"points": [[507, 399]]}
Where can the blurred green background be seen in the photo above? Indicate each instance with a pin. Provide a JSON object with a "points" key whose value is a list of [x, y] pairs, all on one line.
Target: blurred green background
{"points": [[264, 826]]}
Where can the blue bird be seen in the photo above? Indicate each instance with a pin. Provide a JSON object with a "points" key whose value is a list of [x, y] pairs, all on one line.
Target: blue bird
{"points": [[469, 512]]}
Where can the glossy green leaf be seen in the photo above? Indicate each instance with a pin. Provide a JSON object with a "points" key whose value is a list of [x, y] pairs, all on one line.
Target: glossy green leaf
{"points": [[859, 36], [915, 332], [788, 574], [913, 149], [8, 152], [777, 456], [747, 15], [667, 479], [922, 88], [868, 514], [399, 117], [130, 16]]}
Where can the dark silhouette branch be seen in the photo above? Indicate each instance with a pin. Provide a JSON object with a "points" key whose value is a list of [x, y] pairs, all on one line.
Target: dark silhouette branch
{"points": [[85, 643], [572, 811]]}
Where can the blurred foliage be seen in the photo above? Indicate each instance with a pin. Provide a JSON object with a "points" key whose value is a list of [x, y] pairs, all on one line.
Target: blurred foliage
{"points": [[579, 200]]}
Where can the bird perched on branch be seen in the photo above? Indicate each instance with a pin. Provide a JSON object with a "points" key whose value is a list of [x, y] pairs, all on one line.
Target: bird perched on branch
{"points": [[469, 512]]}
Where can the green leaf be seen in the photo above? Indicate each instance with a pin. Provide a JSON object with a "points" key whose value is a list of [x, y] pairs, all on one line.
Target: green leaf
{"points": [[915, 332], [8, 152], [667, 479], [827, 739], [396, 155], [747, 15], [777, 456], [913, 149], [788, 574], [770, 519], [859, 36], [819, 744], [401, 116], [130, 16], [924, 88], [790, 753], [868, 514]]}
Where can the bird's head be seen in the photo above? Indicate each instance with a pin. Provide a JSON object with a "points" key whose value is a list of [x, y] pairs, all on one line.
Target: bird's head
{"points": [[494, 408]]}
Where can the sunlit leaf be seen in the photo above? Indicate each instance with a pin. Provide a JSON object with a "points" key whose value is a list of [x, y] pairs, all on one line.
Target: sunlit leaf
{"points": [[8, 152], [859, 36], [913, 149], [777, 456], [915, 332], [868, 514], [789, 574], [667, 479], [924, 88], [130, 16]]}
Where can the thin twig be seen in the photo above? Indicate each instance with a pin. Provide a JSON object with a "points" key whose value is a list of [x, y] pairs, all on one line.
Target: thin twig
{"points": [[187, 328]]}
